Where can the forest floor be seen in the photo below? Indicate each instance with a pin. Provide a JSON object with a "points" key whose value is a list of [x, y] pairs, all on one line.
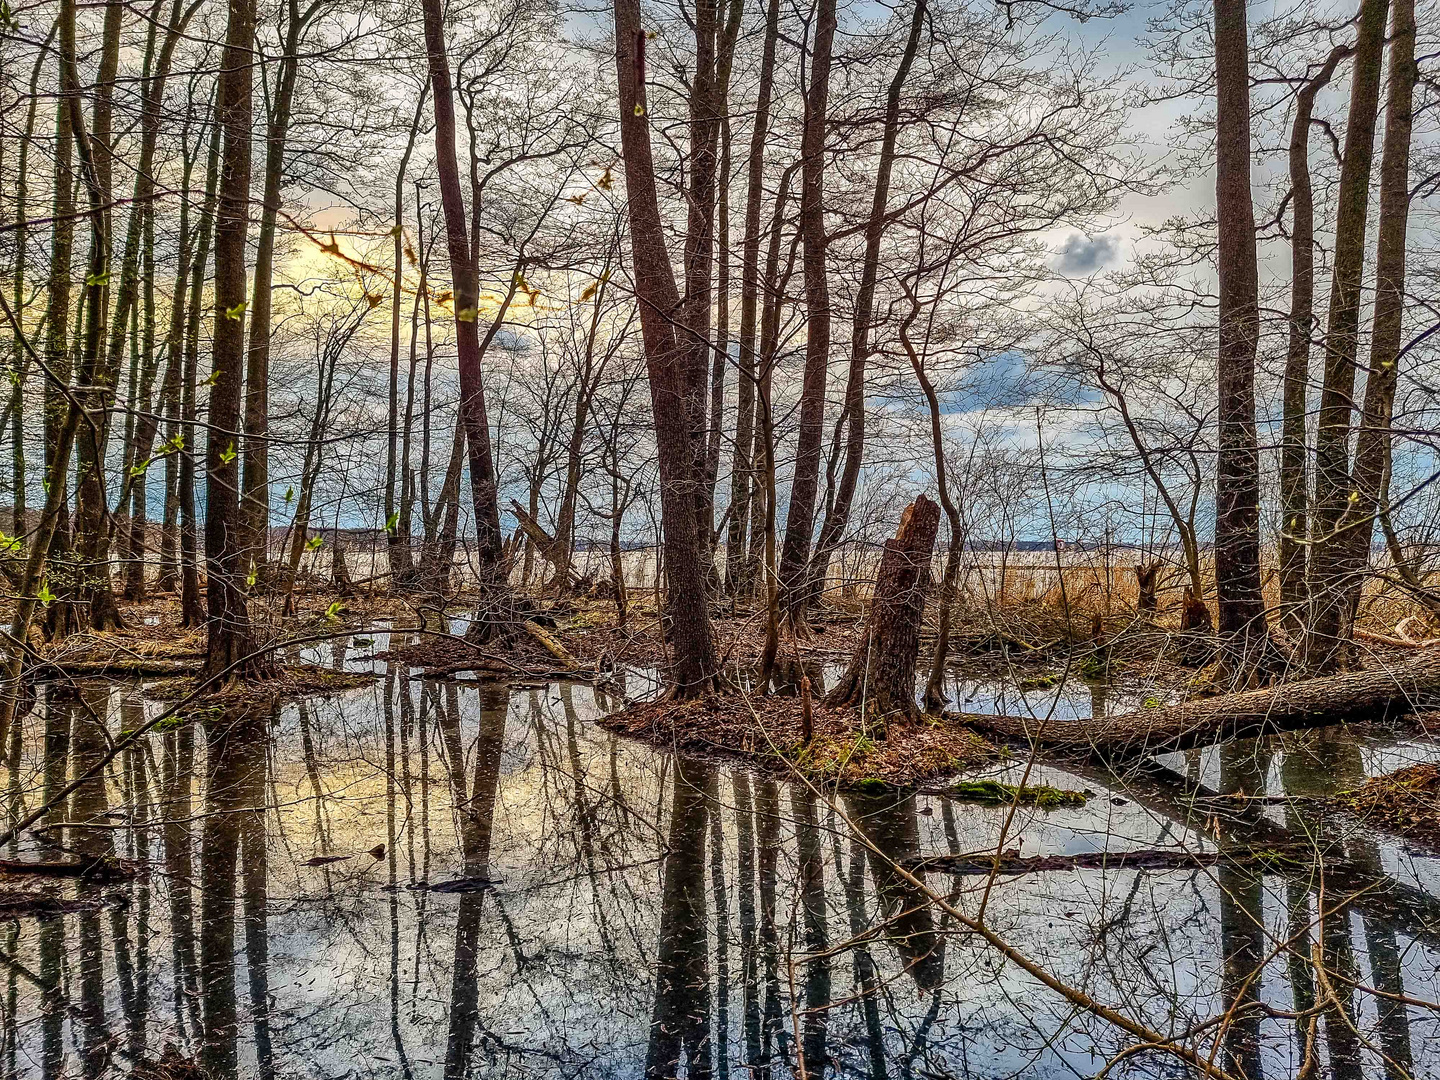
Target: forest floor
{"points": [[1029, 645]]}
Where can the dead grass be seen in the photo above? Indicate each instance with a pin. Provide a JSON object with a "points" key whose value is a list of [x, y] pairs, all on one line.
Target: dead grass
{"points": [[845, 750]]}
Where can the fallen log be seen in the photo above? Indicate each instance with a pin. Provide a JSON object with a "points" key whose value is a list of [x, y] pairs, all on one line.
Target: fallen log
{"points": [[1373, 694], [98, 869], [1010, 862]]}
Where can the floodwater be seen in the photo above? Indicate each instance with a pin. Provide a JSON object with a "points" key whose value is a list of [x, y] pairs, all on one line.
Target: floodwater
{"points": [[427, 879]]}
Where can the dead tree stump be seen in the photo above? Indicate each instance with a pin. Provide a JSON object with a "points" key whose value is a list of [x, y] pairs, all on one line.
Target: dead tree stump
{"points": [[882, 670]]}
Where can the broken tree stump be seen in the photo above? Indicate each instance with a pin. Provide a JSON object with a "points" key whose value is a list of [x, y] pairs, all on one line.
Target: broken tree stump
{"points": [[882, 669], [1373, 694]]}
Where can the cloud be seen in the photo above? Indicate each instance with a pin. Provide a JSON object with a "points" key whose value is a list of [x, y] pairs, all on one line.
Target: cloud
{"points": [[1081, 254]]}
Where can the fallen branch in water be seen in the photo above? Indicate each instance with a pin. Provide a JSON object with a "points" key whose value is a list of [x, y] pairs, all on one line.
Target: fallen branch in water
{"points": [[1373, 694], [1011, 862]]}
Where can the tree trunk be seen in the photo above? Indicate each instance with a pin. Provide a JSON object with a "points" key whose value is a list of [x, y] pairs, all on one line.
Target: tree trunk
{"points": [[93, 588], [1327, 631], [254, 525], [882, 670], [401, 561], [1376, 694], [666, 356], [495, 615], [1244, 635], [231, 640], [192, 612], [1294, 466], [804, 486], [1373, 444], [742, 478], [837, 516]]}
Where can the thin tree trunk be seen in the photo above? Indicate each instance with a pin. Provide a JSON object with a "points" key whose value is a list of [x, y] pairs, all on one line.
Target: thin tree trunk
{"points": [[1294, 466], [743, 478], [1327, 631], [837, 517], [1373, 444], [19, 358], [192, 612], [1244, 635], [398, 545], [254, 527], [804, 486], [93, 589]]}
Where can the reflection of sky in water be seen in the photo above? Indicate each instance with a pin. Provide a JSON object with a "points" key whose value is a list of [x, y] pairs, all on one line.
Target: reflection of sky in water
{"points": [[363, 974]]}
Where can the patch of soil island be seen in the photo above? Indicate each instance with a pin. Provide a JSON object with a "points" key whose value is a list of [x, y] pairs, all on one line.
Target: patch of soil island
{"points": [[1406, 802], [766, 732]]}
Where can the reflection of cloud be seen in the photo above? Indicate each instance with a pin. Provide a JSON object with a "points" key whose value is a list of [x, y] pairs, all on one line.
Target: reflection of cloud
{"points": [[1082, 254]]}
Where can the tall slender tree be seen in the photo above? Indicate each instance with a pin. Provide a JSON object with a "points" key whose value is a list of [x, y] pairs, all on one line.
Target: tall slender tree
{"points": [[231, 647], [1244, 632]]}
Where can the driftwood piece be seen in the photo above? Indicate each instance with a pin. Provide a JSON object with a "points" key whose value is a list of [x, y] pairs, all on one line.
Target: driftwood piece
{"points": [[1372, 694], [882, 668], [90, 869]]}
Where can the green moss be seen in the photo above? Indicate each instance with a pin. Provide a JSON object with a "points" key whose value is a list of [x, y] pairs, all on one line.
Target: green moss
{"points": [[995, 793]]}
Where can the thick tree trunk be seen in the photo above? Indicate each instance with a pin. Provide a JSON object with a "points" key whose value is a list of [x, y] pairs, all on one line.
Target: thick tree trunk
{"points": [[1375, 694], [231, 640], [882, 670], [804, 486], [666, 355], [1327, 630], [1244, 634], [1294, 454]]}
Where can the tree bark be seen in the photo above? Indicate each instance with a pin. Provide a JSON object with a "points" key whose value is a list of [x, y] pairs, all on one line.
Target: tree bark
{"points": [[882, 670], [1327, 629], [255, 501], [1294, 464], [804, 486], [666, 357], [401, 560], [230, 637], [494, 615], [1375, 694], [192, 612], [1373, 444], [742, 479], [1244, 634]]}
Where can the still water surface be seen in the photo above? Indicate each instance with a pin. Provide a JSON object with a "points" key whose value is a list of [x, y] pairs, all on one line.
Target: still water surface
{"points": [[427, 879]]}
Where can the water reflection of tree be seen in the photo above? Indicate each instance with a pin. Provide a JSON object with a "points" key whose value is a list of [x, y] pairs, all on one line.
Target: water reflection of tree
{"points": [[234, 821]]}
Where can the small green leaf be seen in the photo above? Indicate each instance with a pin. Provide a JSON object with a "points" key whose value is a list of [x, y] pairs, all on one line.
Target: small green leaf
{"points": [[92, 280], [289, 494], [236, 312], [333, 611], [9, 543], [392, 521], [251, 577], [314, 542], [213, 379], [45, 596], [228, 454]]}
